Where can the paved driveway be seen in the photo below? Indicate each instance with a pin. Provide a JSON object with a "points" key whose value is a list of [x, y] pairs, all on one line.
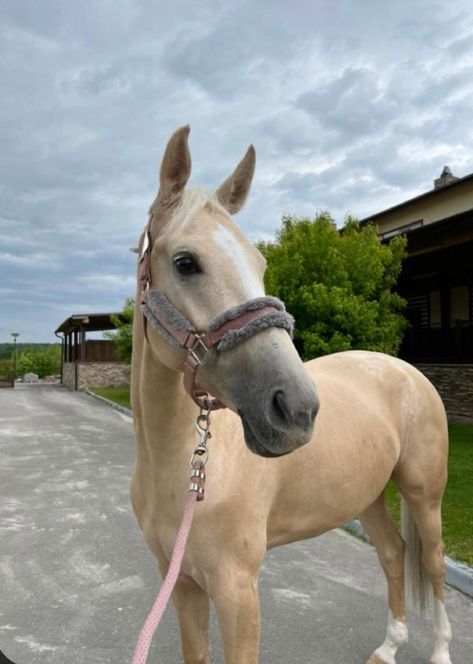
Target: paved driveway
{"points": [[76, 580]]}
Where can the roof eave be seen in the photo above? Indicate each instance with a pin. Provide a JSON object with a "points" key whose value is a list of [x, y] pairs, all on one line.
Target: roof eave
{"points": [[433, 192]]}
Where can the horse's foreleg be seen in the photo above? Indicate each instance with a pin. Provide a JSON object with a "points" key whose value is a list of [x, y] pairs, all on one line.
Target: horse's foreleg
{"points": [[235, 593], [192, 608], [390, 549]]}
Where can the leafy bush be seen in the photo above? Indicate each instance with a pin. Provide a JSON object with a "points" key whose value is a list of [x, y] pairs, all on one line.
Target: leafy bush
{"points": [[123, 335], [337, 284], [6, 370], [41, 361]]}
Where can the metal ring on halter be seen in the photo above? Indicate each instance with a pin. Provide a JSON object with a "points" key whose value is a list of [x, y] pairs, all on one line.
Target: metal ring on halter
{"points": [[200, 345], [200, 454]]}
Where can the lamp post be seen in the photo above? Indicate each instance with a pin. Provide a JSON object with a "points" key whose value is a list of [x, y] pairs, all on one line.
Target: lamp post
{"points": [[14, 335]]}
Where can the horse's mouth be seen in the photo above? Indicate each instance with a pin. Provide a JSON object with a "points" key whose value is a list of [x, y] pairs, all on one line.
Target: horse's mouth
{"points": [[255, 444]]}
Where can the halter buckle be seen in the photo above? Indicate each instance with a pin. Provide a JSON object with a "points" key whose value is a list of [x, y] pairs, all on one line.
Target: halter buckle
{"points": [[197, 346]]}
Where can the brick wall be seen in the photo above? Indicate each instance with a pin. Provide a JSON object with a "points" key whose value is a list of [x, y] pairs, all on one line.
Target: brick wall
{"points": [[455, 385], [96, 374]]}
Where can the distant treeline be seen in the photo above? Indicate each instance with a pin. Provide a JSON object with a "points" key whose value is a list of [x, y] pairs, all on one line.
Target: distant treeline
{"points": [[6, 349], [41, 359]]}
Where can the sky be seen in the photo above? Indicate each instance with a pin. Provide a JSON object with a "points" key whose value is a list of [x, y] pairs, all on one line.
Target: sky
{"points": [[352, 106]]}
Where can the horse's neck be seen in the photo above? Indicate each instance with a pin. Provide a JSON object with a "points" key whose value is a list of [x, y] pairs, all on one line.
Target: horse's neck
{"points": [[162, 405]]}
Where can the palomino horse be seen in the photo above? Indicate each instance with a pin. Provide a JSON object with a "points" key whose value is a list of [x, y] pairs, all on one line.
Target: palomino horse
{"points": [[378, 418]]}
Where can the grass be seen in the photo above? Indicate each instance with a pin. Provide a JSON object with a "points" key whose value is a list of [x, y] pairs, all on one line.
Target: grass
{"points": [[120, 395], [457, 508]]}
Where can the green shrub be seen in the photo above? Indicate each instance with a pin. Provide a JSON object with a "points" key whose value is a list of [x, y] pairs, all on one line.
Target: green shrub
{"points": [[337, 284]]}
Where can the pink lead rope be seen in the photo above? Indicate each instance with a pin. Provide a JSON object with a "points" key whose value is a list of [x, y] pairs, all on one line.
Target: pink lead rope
{"points": [[196, 494], [155, 615]]}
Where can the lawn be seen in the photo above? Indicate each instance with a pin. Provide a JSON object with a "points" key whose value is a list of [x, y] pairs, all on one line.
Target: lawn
{"points": [[457, 509], [120, 395]]}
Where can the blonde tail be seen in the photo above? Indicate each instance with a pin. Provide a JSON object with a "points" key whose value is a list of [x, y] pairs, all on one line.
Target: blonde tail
{"points": [[418, 585]]}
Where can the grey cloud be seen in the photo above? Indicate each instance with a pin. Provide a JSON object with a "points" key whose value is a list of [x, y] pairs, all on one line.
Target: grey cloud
{"points": [[462, 45], [350, 106], [438, 90]]}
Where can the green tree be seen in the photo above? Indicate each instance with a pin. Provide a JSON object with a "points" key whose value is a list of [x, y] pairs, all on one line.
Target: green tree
{"points": [[337, 284], [123, 335], [43, 361], [6, 370]]}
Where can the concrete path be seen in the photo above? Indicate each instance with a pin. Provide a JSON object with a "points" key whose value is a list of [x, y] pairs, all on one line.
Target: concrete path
{"points": [[76, 579]]}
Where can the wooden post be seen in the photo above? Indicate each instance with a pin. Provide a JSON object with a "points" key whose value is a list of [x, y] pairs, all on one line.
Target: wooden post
{"points": [[83, 350]]}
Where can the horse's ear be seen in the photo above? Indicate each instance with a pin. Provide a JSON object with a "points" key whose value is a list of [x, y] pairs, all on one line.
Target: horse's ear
{"points": [[233, 192], [175, 167]]}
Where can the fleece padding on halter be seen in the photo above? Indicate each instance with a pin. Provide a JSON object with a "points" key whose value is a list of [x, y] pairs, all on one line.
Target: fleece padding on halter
{"points": [[156, 304], [275, 318], [160, 312]]}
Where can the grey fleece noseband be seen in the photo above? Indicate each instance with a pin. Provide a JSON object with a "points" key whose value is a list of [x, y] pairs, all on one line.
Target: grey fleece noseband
{"points": [[158, 305]]}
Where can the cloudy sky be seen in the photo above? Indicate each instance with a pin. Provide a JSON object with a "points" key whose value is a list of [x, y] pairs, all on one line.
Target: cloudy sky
{"points": [[352, 105]]}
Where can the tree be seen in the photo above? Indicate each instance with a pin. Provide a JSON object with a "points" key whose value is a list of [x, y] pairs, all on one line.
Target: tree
{"points": [[45, 361], [123, 335], [337, 284]]}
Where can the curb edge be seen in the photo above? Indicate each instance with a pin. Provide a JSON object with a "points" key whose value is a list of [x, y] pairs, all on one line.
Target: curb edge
{"points": [[459, 575], [112, 404]]}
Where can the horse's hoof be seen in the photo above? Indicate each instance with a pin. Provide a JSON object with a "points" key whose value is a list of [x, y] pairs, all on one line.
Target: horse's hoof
{"points": [[374, 659]]}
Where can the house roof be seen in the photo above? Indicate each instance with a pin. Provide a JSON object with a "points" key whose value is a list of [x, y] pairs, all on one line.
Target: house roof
{"points": [[431, 193], [89, 322]]}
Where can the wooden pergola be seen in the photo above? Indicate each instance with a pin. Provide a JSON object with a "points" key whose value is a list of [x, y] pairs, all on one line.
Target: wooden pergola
{"points": [[76, 348]]}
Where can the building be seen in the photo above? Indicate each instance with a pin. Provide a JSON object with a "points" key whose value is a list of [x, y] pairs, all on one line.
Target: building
{"points": [[90, 362], [437, 282]]}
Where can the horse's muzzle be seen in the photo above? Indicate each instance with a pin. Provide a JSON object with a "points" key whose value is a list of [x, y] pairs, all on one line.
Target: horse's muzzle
{"points": [[283, 425]]}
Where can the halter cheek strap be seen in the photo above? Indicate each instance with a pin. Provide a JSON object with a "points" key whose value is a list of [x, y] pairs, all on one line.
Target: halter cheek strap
{"points": [[226, 331]]}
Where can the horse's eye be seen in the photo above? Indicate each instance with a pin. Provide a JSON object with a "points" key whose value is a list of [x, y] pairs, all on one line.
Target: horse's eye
{"points": [[186, 264]]}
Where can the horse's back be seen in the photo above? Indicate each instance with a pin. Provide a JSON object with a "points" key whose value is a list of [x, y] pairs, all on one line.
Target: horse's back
{"points": [[378, 381]]}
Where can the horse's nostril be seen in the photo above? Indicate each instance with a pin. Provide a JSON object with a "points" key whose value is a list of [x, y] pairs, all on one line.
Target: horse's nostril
{"points": [[281, 410], [315, 410], [286, 414]]}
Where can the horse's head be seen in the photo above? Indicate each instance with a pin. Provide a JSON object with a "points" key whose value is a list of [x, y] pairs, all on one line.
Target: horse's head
{"points": [[202, 263]]}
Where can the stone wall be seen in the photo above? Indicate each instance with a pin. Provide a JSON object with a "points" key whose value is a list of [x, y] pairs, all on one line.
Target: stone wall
{"points": [[455, 385], [103, 374], [96, 374]]}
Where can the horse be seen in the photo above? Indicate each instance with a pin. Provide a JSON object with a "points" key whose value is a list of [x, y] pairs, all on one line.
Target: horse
{"points": [[300, 449]]}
